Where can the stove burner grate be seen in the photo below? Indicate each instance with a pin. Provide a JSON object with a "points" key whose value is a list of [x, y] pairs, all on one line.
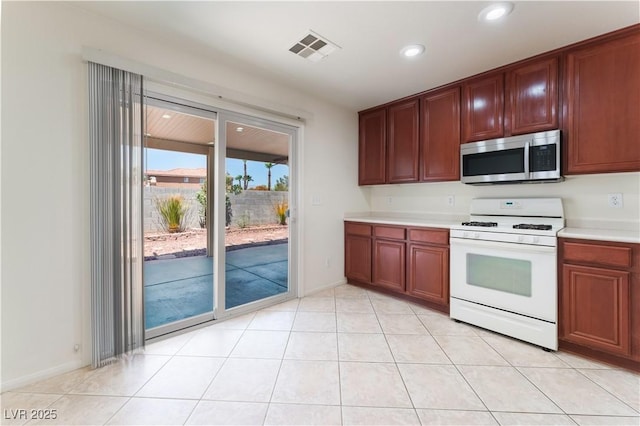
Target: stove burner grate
{"points": [[485, 224], [532, 226]]}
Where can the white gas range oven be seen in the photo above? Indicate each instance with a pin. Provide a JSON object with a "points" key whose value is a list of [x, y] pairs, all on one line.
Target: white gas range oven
{"points": [[503, 273]]}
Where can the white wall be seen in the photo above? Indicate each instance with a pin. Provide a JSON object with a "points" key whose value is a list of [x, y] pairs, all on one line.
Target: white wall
{"points": [[584, 198], [45, 176]]}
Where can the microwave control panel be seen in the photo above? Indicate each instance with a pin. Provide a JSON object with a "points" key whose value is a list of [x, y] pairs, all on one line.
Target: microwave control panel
{"points": [[542, 158]]}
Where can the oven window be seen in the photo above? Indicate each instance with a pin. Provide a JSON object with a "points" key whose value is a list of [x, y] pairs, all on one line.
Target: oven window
{"points": [[499, 273], [494, 162]]}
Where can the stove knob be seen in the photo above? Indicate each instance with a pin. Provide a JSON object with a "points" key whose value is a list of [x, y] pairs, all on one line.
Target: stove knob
{"points": [[465, 235], [536, 239], [520, 238], [476, 235]]}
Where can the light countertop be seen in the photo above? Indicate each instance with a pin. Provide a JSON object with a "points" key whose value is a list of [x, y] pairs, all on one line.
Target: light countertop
{"points": [[405, 220], [442, 221], [616, 235]]}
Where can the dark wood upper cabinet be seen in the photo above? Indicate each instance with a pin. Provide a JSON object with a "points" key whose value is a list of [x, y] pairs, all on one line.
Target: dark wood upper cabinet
{"points": [[372, 149], [402, 141], [602, 122], [440, 136], [532, 97], [483, 108], [589, 90]]}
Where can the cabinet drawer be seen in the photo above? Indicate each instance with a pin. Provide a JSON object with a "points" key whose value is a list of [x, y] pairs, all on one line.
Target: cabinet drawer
{"points": [[389, 232], [357, 229], [433, 236], [600, 254]]}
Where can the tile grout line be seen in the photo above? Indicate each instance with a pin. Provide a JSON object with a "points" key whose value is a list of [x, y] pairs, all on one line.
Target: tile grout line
{"points": [[275, 382], [602, 387], [335, 304], [226, 358], [395, 363], [463, 377]]}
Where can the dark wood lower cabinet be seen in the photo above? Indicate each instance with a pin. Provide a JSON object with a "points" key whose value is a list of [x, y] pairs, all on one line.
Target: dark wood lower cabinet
{"points": [[599, 294], [428, 268], [389, 264], [357, 261], [407, 261], [596, 308]]}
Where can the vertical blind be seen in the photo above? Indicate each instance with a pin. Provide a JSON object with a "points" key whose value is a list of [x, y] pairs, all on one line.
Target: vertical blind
{"points": [[115, 137]]}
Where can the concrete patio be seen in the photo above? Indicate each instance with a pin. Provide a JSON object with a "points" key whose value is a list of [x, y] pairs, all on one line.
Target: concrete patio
{"points": [[176, 289]]}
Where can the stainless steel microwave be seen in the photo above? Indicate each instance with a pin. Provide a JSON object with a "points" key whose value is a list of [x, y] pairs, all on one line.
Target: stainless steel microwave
{"points": [[533, 157]]}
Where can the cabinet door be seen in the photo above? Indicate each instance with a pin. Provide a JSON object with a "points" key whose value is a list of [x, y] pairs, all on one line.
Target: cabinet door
{"points": [[389, 264], [595, 308], [483, 108], [533, 97], [429, 273], [372, 147], [440, 136], [402, 142], [603, 107], [357, 262]]}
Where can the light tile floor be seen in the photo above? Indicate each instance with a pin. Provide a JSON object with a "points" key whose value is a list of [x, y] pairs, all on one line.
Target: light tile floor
{"points": [[343, 356]]}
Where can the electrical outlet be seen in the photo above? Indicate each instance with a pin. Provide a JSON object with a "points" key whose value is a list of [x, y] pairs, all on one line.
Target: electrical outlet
{"points": [[327, 262], [389, 200], [616, 201], [451, 200]]}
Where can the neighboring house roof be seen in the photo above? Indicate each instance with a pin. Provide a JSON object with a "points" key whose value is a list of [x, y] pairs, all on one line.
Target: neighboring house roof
{"points": [[197, 173]]}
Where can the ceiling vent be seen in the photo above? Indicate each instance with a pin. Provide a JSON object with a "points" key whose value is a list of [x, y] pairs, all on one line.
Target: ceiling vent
{"points": [[313, 47]]}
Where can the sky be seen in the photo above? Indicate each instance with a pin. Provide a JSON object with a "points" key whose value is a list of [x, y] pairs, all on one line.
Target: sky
{"points": [[157, 159]]}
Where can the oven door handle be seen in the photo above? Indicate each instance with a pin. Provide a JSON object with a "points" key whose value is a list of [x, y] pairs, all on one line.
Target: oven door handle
{"points": [[528, 248]]}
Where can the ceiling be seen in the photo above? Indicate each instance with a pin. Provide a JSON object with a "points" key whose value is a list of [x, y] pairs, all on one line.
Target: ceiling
{"points": [[367, 70], [165, 126]]}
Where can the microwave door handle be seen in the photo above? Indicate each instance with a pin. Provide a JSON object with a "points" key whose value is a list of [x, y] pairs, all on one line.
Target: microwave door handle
{"points": [[526, 161]]}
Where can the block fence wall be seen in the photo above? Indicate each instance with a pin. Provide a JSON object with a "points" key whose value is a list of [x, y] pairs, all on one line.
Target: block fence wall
{"points": [[248, 208]]}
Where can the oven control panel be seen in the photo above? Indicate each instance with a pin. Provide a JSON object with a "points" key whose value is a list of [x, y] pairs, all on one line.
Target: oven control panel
{"points": [[510, 204], [536, 240]]}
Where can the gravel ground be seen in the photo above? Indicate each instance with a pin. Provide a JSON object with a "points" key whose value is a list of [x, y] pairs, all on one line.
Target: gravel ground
{"points": [[193, 241]]}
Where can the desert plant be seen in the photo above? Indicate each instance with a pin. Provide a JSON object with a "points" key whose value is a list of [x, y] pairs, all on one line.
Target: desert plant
{"points": [[173, 213], [282, 211], [228, 213], [282, 184], [244, 220], [201, 197], [260, 188]]}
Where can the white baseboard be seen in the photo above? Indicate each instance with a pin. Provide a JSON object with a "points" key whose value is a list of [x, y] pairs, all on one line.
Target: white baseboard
{"points": [[325, 287], [19, 382]]}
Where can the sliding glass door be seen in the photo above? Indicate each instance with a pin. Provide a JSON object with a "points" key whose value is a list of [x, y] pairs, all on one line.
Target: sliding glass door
{"points": [[219, 214], [178, 265], [256, 229]]}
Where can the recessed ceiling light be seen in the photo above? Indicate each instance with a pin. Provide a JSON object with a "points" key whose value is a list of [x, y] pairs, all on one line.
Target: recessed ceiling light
{"points": [[412, 50], [239, 129], [166, 116], [495, 11]]}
